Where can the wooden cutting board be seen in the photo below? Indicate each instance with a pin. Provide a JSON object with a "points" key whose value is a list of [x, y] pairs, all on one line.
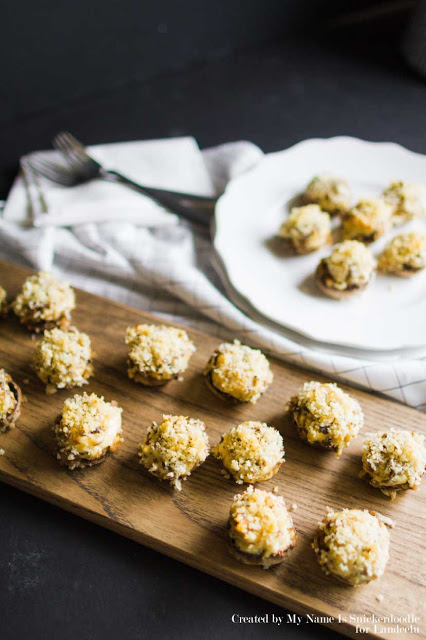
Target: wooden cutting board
{"points": [[189, 525]]}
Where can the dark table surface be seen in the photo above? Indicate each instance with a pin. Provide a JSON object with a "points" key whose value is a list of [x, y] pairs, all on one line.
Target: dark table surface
{"points": [[61, 577]]}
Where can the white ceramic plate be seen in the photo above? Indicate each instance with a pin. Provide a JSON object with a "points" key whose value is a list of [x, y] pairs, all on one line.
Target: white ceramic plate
{"points": [[390, 315]]}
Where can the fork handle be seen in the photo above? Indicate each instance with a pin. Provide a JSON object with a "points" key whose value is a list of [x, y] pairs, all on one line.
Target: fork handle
{"points": [[187, 205]]}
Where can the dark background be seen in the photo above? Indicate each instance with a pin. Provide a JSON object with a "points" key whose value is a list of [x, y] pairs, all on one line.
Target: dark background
{"points": [[273, 72], [62, 52]]}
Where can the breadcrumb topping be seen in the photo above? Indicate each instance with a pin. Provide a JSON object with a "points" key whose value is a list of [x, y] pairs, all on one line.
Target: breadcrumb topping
{"points": [[3, 301], [350, 265], [352, 545], [405, 254], [407, 200], [251, 452], [158, 351], [7, 397], [326, 416], [239, 371], [331, 193], [62, 358], [307, 228], [260, 525], [368, 220], [394, 460], [173, 448], [44, 299], [89, 428]]}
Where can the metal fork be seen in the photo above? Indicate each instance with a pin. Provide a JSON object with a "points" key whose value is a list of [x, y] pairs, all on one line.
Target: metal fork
{"points": [[82, 168]]}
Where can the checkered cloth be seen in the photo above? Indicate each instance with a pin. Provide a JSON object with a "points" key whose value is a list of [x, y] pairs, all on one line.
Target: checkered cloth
{"points": [[113, 242]]}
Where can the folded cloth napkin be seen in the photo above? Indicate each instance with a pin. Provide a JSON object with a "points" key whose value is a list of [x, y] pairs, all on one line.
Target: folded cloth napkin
{"points": [[113, 242]]}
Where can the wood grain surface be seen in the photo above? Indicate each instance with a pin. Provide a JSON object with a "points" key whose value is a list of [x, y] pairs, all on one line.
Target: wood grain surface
{"points": [[189, 525]]}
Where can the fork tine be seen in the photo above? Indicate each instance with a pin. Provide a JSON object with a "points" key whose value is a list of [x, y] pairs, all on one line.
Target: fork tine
{"points": [[62, 143], [77, 156], [72, 141], [51, 171], [69, 142], [41, 167]]}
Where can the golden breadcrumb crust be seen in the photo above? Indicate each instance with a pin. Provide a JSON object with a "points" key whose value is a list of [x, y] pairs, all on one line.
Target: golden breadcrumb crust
{"points": [[44, 302], [394, 460], [10, 401], [260, 529], [352, 545], [348, 268], [407, 200], [173, 448], [330, 193], [157, 353], [4, 307], [63, 359], [88, 429], [404, 255], [326, 416], [307, 228], [368, 220], [238, 372], [251, 452]]}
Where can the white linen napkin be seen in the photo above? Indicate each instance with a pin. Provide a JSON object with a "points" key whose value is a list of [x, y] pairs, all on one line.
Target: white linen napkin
{"points": [[155, 163], [111, 241]]}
